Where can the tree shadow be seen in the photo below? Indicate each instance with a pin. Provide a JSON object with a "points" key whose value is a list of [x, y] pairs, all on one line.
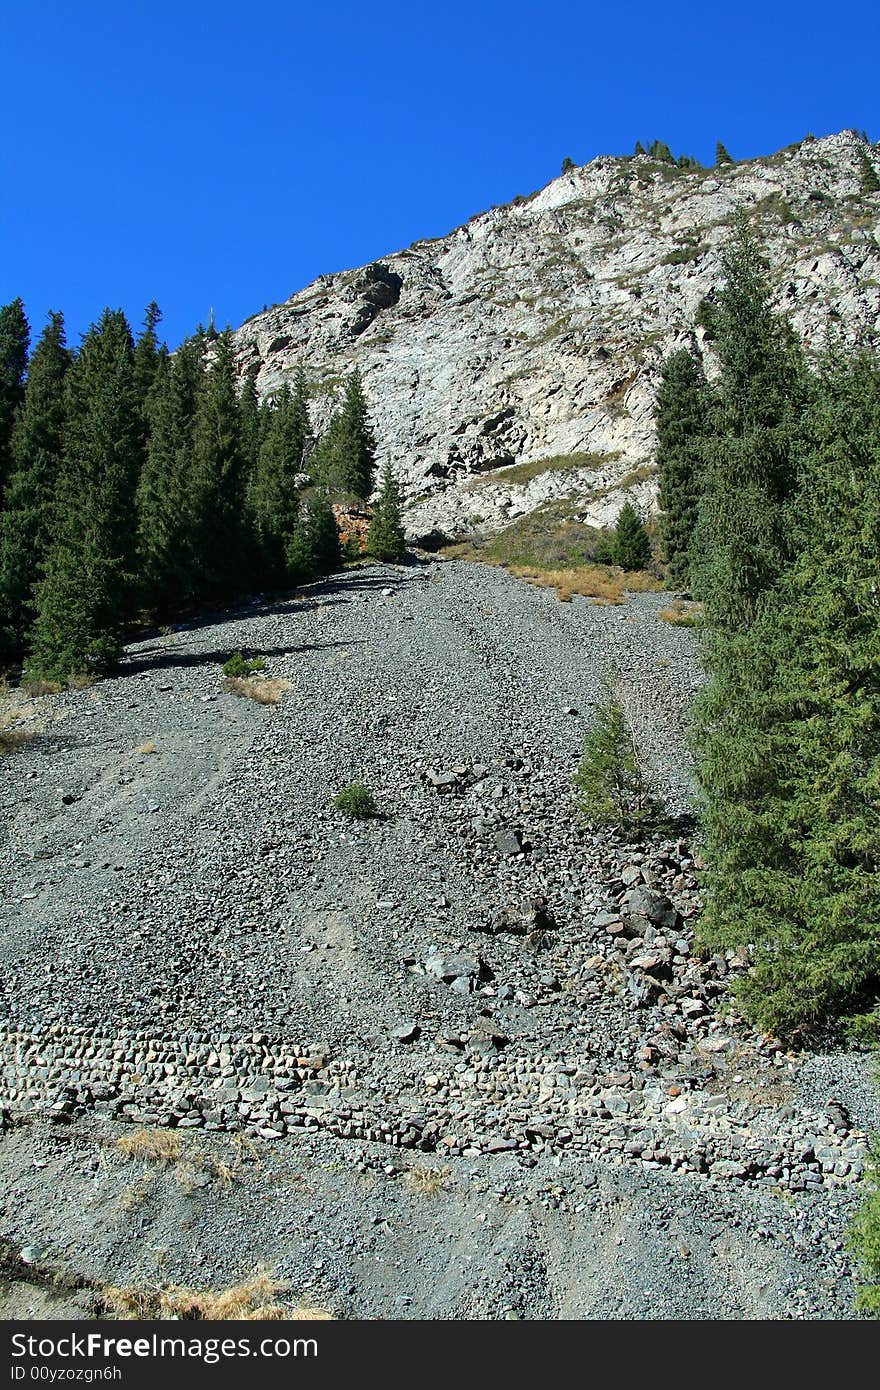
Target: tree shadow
{"points": [[160, 658]]}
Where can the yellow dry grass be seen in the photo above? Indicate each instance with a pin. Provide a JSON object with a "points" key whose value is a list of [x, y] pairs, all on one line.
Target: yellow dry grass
{"points": [[266, 690], [256, 1299], [150, 1145], [601, 583], [427, 1181], [682, 613], [147, 748]]}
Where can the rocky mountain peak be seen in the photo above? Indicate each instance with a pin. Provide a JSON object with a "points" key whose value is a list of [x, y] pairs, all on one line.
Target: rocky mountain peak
{"points": [[533, 334]]}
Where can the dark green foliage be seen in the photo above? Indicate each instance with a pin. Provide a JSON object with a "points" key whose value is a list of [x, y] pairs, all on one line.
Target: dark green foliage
{"points": [[385, 538], [632, 547], [14, 343], [567, 165], [218, 479], [35, 450], [682, 414], [610, 782], [639, 148], [240, 665], [687, 161], [314, 547], [146, 352], [868, 180], [274, 499], [738, 545], [721, 155], [345, 459], [355, 801], [660, 150], [86, 595], [864, 1236], [167, 516]]}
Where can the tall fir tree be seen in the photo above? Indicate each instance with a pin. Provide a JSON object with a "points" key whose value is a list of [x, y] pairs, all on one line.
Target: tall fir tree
{"points": [[721, 155], [274, 500], [314, 546], [146, 352], [26, 525], [385, 538], [793, 811], [166, 504], [87, 593], [218, 479], [345, 459], [14, 344], [682, 414]]}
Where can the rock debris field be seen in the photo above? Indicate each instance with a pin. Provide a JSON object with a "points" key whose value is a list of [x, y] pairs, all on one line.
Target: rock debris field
{"points": [[454, 1061]]}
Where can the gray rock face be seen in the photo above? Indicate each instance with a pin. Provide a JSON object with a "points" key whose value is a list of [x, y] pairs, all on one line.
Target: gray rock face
{"points": [[536, 331]]}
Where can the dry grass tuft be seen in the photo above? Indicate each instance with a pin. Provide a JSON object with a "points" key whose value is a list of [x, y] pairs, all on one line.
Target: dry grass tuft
{"points": [[601, 583], [150, 1145], [265, 690], [133, 1197], [12, 735], [682, 613], [427, 1181], [34, 687], [147, 748], [256, 1299]]}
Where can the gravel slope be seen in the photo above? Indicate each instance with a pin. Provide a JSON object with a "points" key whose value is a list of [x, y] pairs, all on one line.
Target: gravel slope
{"points": [[192, 938]]}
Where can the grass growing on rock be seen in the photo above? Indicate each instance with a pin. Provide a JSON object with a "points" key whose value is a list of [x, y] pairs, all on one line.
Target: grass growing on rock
{"points": [[427, 1181], [682, 613], [150, 1145], [264, 690], [519, 474], [356, 802]]}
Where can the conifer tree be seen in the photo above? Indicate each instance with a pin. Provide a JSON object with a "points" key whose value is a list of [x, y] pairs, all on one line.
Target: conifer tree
{"points": [[792, 767], [345, 460], [14, 344], [146, 352], [274, 498], [87, 593], [314, 546], [26, 525], [611, 785], [868, 180], [385, 538], [682, 412], [166, 491], [631, 545], [721, 155], [218, 478]]}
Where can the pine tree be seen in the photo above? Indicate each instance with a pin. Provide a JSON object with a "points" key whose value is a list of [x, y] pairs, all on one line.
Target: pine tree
{"points": [[385, 538], [611, 785], [167, 519], [14, 344], [146, 352], [659, 150], [868, 180], [682, 413], [795, 830], [87, 593], [26, 525], [721, 155], [738, 545], [639, 149], [314, 546], [274, 498], [632, 548], [345, 460], [218, 479]]}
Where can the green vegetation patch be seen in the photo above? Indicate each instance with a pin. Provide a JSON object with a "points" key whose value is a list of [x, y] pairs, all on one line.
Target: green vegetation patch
{"points": [[519, 474]]}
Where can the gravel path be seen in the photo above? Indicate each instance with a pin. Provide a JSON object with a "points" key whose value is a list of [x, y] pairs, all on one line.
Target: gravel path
{"points": [[192, 938]]}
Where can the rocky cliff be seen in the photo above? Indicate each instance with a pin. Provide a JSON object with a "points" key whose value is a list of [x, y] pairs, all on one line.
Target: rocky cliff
{"points": [[533, 335]]}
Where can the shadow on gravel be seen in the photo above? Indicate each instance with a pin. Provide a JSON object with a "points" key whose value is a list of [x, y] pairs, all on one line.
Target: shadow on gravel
{"points": [[164, 658]]}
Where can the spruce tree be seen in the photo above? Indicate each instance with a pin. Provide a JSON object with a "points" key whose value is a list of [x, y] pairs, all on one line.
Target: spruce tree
{"points": [[796, 835], [682, 414], [631, 545], [26, 526], [610, 781], [314, 546], [868, 180], [218, 479], [385, 538], [274, 499], [87, 593], [146, 352], [14, 344], [167, 517], [345, 459], [721, 155]]}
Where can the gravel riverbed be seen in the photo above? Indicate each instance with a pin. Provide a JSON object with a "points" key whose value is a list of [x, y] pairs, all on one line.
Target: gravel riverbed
{"points": [[472, 985]]}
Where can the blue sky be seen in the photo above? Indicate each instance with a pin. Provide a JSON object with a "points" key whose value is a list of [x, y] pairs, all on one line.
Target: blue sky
{"points": [[222, 155]]}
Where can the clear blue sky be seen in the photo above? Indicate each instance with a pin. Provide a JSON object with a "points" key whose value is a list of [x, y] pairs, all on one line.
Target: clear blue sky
{"points": [[222, 155]]}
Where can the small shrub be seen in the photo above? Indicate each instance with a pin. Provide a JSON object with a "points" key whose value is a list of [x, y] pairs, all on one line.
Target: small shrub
{"points": [[355, 801], [610, 782], [427, 1181], [240, 665], [254, 1300]]}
